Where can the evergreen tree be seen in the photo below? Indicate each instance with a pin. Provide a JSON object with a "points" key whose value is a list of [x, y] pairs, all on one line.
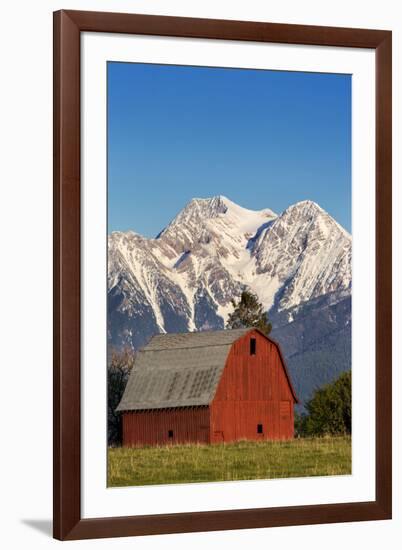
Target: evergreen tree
{"points": [[249, 312], [329, 411]]}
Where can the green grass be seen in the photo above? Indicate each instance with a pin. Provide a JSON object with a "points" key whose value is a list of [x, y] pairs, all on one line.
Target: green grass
{"points": [[229, 461]]}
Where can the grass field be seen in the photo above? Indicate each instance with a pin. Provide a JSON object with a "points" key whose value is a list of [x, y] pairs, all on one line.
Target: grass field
{"points": [[229, 461]]}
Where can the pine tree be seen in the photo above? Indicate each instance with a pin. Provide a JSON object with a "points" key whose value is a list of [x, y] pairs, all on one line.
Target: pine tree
{"points": [[249, 312]]}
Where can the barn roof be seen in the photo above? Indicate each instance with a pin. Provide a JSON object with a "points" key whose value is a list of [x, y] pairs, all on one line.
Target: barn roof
{"points": [[179, 370]]}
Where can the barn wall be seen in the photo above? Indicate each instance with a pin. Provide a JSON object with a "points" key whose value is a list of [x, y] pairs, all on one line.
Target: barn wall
{"points": [[152, 427], [253, 390]]}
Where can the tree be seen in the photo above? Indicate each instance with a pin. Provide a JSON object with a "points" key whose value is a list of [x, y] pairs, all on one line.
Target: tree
{"points": [[299, 424], [329, 411], [118, 371], [249, 312]]}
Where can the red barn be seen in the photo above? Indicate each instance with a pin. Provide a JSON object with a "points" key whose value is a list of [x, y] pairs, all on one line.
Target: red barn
{"points": [[208, 387]]}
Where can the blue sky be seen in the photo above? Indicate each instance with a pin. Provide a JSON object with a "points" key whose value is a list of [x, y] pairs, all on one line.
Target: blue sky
{"points": [[264, 139]]}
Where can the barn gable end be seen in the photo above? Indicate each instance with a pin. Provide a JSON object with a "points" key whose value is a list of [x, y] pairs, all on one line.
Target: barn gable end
{"points": [[255, 397]]}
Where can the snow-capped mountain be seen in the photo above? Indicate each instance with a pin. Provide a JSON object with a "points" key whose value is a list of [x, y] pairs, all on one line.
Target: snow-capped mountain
{"points": [[186, 277]]}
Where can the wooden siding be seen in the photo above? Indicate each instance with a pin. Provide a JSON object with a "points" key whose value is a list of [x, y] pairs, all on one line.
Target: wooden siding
{"points": [[253, 390], [151, 427]]}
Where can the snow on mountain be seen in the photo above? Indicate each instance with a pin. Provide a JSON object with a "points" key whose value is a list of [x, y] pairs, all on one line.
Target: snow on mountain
{"points": [[186, 277], [217, 222], [305, 253]]}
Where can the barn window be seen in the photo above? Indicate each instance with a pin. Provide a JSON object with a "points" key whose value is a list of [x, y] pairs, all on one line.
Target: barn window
{"points": [[253, 346], [170, 433], [259, 429]]}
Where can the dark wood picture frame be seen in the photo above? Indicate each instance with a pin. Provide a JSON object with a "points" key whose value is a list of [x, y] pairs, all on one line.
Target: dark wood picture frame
{"points": [[68, 523]]}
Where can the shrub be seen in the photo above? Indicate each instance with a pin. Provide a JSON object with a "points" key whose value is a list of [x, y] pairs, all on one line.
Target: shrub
{"points": [[329, 411]]}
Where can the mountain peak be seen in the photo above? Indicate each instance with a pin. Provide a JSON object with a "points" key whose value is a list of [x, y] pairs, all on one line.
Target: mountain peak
{"points": [[306, 207], [196, 211], [203, 219], [310, 211], [210, 206]]}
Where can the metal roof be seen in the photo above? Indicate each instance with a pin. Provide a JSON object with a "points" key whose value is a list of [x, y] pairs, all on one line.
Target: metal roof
{"points": [[178, 370]]}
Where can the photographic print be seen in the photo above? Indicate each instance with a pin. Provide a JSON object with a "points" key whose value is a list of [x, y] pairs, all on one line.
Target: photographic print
{"points": [[229, 274]]}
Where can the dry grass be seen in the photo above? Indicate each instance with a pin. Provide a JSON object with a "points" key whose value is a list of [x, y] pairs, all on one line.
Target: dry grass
{"points": [[229, 461]]}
